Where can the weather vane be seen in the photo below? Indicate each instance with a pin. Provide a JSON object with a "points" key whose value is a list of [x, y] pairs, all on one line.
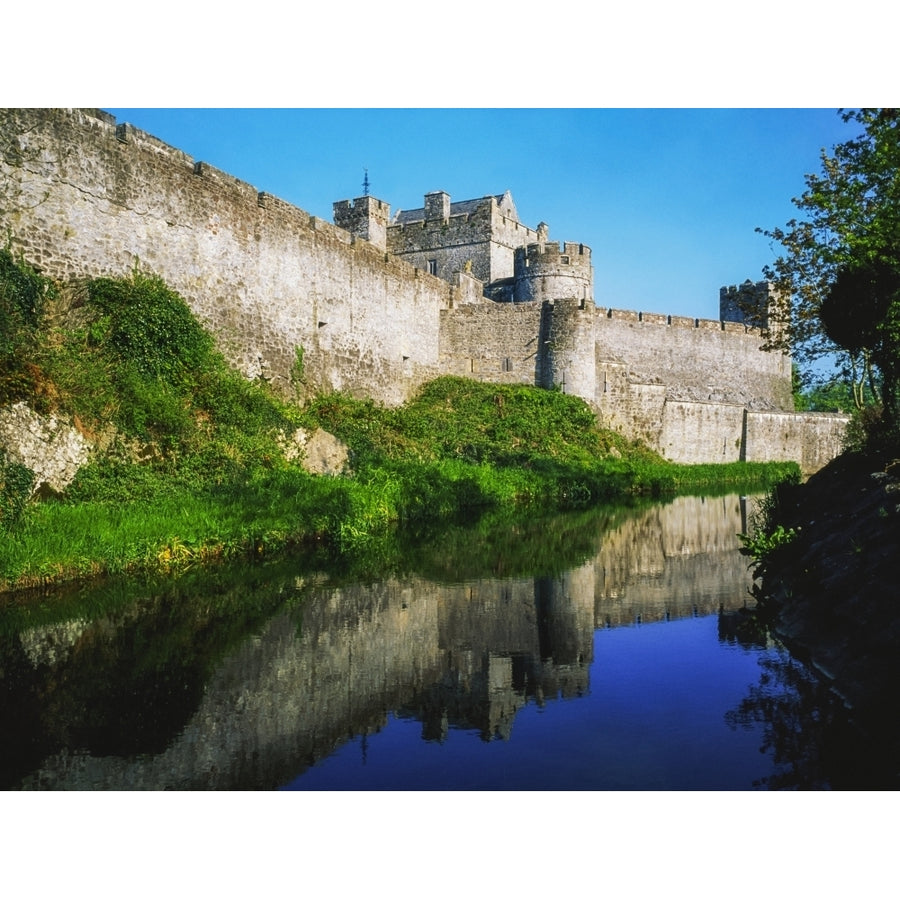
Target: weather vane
{"points": [[366, 183]]}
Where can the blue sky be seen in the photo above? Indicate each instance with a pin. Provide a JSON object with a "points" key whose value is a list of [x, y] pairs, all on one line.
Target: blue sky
{"points": [[667, 199]]}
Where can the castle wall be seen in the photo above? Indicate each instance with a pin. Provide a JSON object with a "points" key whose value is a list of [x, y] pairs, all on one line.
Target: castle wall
{"points": [[701, 432], [632, 408], [697, 359], [812, 439], [82, 197], [702, 391], [492, 342]]}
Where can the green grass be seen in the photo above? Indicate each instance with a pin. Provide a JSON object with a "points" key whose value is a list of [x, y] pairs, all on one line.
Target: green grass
{"points": [[196, 472]]}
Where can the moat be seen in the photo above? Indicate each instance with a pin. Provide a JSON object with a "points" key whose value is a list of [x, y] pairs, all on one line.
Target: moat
{"points": [[616, 659]]}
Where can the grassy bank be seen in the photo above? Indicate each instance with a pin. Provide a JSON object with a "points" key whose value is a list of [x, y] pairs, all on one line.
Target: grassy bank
{"points": [[196, 469]]}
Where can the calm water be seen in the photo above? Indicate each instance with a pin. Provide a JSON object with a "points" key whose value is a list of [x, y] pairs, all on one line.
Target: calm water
{"points": [[602, 650]]}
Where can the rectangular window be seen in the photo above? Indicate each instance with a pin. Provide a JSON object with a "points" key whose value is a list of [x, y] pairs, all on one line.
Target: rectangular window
{"points": [[432, 267]]}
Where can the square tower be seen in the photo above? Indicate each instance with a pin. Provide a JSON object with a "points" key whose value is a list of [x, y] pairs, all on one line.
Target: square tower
{"points": [[365, 217]]}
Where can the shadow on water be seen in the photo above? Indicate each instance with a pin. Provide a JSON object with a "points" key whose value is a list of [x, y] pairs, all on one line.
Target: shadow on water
{"points": [[814, 740], [247, 677]]}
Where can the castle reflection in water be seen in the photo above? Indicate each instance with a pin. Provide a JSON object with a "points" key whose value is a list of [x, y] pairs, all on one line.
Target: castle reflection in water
{"points": [[336, 666]]}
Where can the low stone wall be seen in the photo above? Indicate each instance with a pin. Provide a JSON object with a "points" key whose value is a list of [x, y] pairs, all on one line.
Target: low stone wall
{"points": [[812, 439], [690, 432]]}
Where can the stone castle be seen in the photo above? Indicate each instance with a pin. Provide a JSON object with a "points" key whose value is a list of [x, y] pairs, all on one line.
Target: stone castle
{"points": [[380, 304]]}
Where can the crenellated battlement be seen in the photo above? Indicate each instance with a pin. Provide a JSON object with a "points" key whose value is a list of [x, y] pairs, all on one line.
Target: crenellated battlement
{"points": [[364, 217], [553, 253], [553, 271], [653, 320], [751, 303]]}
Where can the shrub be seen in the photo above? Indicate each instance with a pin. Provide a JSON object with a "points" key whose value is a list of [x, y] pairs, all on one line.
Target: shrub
{"points": [[864, 429], [151, 329], [16, 483], [23, 296]]}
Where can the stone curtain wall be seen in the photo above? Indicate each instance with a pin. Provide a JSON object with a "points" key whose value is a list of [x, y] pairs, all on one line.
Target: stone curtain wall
{"points": [[683, 385], [720, 432], [84, 197], [702, 432], [492, 342], [697, 359], [812, 439]]}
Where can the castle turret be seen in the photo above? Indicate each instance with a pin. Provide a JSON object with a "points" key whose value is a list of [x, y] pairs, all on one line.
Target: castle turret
{"points": [[567, 347], [365, 217], [544, 271], [753, 304]]}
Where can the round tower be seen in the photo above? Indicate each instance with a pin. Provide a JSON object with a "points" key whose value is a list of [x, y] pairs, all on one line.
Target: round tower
{"points": [[567, 348], [546, 271]]}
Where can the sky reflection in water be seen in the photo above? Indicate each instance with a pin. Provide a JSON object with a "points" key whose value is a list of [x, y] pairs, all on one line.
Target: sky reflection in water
{"points": [[653, 718]]}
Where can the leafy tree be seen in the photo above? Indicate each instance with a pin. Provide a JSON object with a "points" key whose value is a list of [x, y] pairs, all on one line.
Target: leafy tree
{"points": [[861, 313], [833, 395], [851, 219]]}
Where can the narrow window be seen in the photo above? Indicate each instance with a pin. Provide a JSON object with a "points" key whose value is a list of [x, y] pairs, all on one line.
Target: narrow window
{"points": [[432, 267]]}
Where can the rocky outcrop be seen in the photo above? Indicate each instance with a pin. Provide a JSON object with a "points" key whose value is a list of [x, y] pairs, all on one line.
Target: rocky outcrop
{"points": [[50, 446], [319, 452]]}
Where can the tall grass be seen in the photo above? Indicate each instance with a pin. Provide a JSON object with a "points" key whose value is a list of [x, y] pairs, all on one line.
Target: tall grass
{"points": [[196, 471]]}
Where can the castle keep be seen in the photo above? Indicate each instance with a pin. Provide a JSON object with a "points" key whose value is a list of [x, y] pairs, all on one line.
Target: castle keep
{"points": [[381, 304]]}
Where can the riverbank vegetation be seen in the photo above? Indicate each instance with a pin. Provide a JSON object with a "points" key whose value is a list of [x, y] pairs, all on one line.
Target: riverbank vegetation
{"points": [[196, 465], [826, 552]]}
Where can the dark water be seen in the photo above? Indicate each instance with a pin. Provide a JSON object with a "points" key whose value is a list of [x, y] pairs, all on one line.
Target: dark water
{"points": [[601, 650]]}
